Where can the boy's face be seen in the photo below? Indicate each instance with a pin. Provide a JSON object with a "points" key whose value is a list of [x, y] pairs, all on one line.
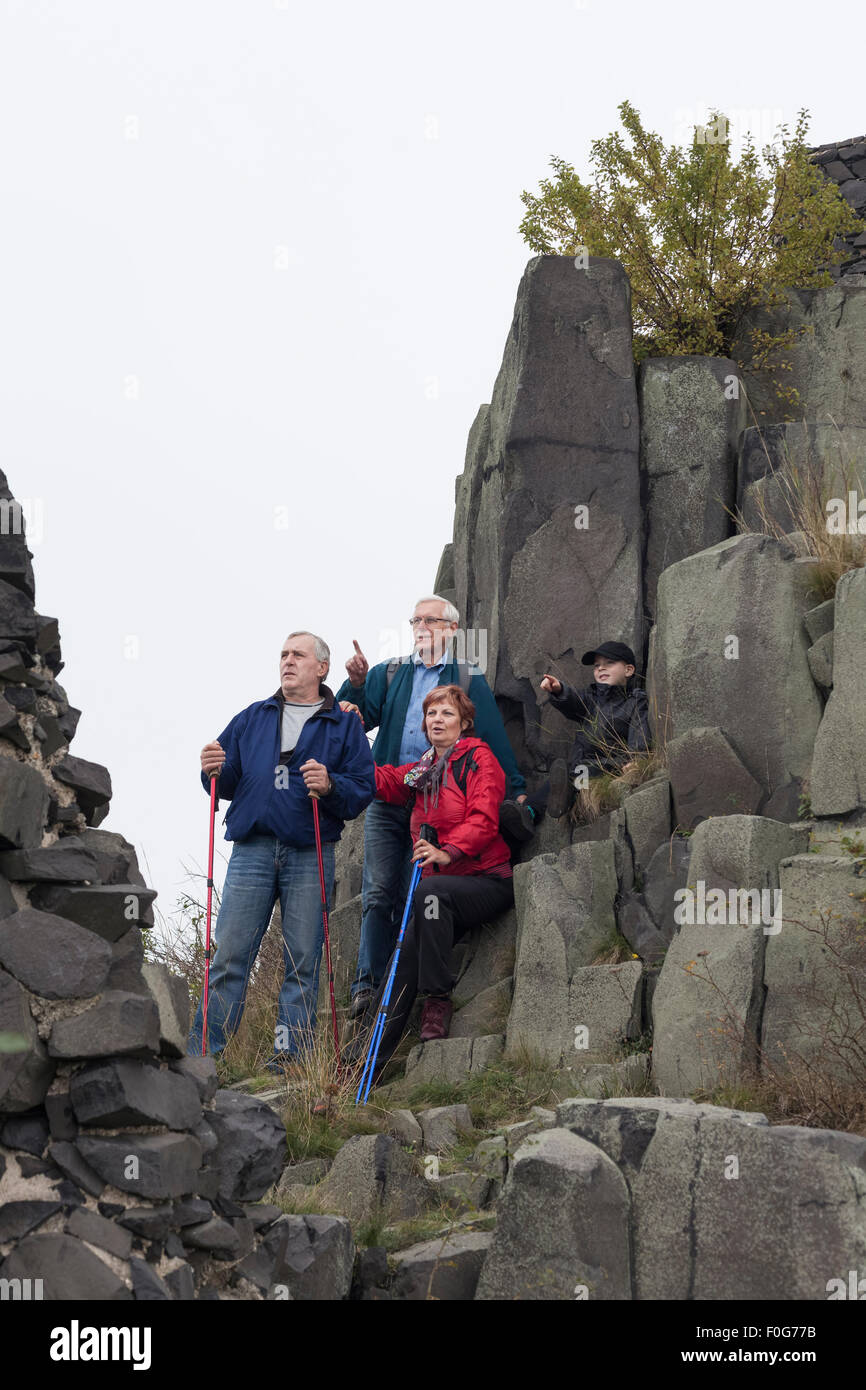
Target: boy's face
{"points": [[608, 672]]}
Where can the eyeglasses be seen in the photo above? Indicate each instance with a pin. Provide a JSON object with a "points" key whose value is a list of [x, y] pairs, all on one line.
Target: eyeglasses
{"points": [[416, 622]]}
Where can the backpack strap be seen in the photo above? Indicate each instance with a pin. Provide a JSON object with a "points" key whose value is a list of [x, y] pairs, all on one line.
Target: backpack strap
{"points": [[391, 671], [461, 768]]}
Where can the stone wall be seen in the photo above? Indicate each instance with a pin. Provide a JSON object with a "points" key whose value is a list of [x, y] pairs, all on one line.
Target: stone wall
{"points": [[124, 1172]]}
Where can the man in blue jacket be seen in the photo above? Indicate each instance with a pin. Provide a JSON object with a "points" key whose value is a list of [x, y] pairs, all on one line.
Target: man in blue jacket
{"points": [[389, 697], [270, 758]]}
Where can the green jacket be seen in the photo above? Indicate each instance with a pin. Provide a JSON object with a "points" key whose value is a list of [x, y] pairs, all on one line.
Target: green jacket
{"points": [[385, 708]]}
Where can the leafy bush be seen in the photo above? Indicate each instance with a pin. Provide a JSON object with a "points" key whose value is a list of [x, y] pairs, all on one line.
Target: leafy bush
{"points": [[702, 239]]}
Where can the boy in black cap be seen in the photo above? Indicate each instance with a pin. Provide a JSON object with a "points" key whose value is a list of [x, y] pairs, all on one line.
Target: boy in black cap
{"points": [[613, 714]]}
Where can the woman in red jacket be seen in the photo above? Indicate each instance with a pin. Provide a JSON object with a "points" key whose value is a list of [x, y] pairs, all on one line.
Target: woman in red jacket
{"points": [[457, 787]]}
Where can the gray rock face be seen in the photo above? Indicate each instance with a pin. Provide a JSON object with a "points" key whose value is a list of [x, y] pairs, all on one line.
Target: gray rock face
{"points": [[127, 958], [316, 1257], [23, 805], [17, 1218], [252, 1146], [819, 621], [69, 1271], [147, 1287], [443, 1126], [171, 996], [130, 1093], [8, 904], [108, 910], [445, 584], [565, 907], [820, 656], [838, 782], [485, 1014], [745, 597], [116, 857], [453, 1059], [371, 1173], [349, 864], [27, 1132], [814, 969], [405, 1128], [711, 1199], [563, 1227], [201, 1071], [71, 1163], [691, 413], [604, 1009], [149, 1165], [708, 778], [827, 358], [67, 861], [96, 1230], [90, 782], [344, 929], [647, 812], [53, 957], [782, 464], [602, 1079], [561, 433], [445, 1269], [117, 1023], [311, 1171], [710, 993], [646, 919], [25, 1075], [216, 1237], [489, 957]]}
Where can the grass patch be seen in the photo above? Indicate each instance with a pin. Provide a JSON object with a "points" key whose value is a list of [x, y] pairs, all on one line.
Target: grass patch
{"points": [[796, 498], [607, 792], [613, 950], [498, 1096], [433, 1225]]}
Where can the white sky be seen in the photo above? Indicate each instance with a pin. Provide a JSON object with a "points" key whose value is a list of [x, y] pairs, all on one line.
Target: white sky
{"points": [[260, 254]]}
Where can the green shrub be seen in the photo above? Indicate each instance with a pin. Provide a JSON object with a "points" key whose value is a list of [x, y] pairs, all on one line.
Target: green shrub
{"points": [[702, 239]]}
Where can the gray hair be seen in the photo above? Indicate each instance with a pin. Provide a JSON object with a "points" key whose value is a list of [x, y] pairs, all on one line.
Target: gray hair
{"points": [[450, 613], [323, 651]]}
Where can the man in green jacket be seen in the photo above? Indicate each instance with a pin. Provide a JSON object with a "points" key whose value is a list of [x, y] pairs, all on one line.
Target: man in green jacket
{"points": [[389, 697]]}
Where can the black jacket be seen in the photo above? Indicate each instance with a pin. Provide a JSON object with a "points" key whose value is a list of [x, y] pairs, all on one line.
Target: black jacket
{"points": [[614, 721]]}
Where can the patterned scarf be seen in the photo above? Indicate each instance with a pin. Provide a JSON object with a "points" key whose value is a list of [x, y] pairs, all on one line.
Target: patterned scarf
{"points": [[430, 773]]}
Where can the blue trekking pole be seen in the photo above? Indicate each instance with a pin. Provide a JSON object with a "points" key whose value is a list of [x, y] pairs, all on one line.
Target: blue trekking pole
{"points": [[426, 832]]}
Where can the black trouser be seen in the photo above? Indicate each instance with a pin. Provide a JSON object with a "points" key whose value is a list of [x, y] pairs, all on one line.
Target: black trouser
{"points": [[444, 909]]}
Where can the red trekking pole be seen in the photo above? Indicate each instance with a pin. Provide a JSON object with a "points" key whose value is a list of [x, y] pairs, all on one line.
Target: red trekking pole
{"points": [[315, 796], [214, 802]]}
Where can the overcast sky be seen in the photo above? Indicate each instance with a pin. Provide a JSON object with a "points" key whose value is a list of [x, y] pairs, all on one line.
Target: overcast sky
{"points": [[259, 261]]}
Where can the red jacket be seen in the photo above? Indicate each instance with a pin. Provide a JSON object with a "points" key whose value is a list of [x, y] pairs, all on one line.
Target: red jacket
{"points": [[467, 821]]}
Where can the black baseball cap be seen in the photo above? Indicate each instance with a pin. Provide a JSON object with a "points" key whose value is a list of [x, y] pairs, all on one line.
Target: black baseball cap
{"points": [[617, 651]]}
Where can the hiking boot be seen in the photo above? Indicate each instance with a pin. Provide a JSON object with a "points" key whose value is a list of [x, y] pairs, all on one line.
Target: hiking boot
{"points": [[517, 821], [361, 1001], [561, 790], [435, 1019]]}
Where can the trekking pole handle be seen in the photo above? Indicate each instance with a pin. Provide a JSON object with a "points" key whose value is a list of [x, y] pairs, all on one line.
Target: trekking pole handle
{"points": [[430, 834]]}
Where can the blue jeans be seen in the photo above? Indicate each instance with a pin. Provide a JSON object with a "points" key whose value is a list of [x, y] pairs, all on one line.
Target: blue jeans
{"points": [[385, 887], [262, 869]]}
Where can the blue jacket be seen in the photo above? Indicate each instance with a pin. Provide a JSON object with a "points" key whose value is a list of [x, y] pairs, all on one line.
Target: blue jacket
{"points": [[385, 707], [269, 799]]}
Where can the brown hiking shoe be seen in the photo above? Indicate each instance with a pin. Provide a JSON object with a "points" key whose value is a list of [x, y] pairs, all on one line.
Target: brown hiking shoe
{"points": [[435, 1019]]}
